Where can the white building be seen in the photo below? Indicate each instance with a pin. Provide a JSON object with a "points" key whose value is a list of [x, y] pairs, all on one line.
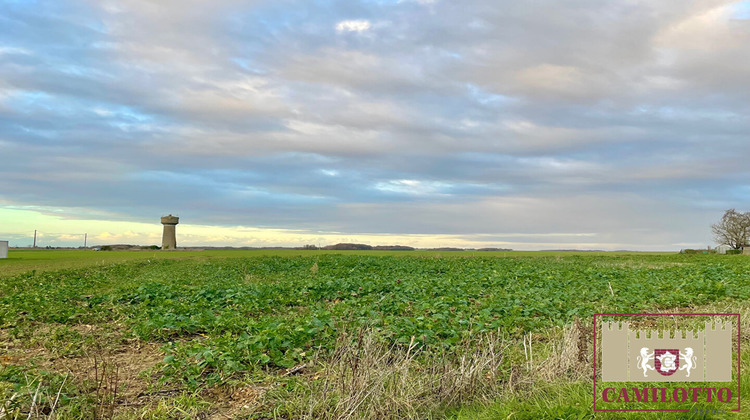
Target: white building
{"points": [[722, 249]]}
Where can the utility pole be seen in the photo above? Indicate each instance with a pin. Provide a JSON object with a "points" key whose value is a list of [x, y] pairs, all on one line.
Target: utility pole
{"points": [[85, 238], [34, 238]]}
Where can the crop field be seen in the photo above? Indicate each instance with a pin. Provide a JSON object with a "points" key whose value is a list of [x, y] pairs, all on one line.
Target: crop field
{"points": [[245, 334]]}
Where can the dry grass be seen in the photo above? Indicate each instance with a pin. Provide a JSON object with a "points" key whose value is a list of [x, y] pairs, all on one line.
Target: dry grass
{"points": [[43, 402], [569, 352], [365, 378], [101, 373]]}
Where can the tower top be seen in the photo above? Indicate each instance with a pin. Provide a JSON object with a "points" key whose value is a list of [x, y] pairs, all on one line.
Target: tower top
{"points": [[170, 220]]}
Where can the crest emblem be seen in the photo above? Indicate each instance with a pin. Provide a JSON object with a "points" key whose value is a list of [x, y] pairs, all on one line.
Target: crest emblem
{"points": [[669, 355], [666, 361]]}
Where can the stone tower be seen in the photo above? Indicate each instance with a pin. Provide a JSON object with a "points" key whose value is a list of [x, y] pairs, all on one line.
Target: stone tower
{"points": [[169, 239]]}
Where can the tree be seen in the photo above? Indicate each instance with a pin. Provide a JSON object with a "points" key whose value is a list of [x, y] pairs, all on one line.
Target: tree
{"points": [[733, 229]]}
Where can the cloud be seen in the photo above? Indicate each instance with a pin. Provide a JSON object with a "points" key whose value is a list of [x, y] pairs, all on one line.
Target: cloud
{"points": [[359, 25], [414, 187], [380, 118]]}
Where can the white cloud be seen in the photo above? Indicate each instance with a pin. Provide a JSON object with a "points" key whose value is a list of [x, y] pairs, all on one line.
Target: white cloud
{"points": [[422, 2], [414, 187], [359, 25], [329, 172], [13, 50]]}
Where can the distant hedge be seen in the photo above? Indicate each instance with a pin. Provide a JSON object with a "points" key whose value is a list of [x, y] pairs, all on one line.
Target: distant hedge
{"points": [[698, 251]]}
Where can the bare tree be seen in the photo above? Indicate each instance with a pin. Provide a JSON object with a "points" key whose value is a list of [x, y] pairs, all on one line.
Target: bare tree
{"points": [[733, 229]]}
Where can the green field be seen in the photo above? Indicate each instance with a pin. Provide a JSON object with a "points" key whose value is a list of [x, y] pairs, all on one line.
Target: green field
{"points": [[309, 334], [25, 260]]}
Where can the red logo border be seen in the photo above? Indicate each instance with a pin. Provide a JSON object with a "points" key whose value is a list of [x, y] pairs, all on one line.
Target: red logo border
{"points": [[739, 352]]}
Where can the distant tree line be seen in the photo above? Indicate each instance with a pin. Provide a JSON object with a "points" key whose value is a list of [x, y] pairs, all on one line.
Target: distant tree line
{"points": [[364, 247]]}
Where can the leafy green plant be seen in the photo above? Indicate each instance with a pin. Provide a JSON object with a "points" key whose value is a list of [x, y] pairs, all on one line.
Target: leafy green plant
{"points": [[223, 319]]}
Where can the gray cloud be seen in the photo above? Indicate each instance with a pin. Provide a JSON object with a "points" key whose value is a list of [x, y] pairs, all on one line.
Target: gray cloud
{"points": [[609, 124]]}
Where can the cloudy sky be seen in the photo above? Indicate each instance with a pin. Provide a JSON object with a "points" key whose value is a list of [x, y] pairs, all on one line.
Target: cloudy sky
{"points": [[533, 124]]}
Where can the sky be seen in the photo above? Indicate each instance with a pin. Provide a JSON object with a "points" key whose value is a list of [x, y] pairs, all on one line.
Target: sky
{"points": [[580, 124]]}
